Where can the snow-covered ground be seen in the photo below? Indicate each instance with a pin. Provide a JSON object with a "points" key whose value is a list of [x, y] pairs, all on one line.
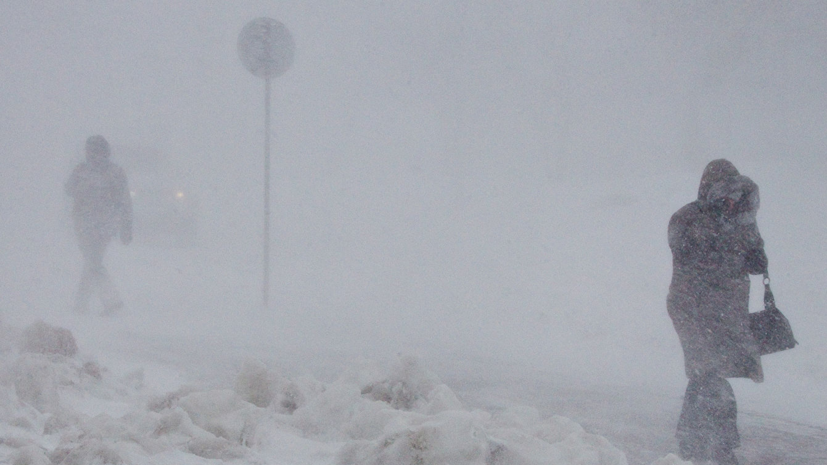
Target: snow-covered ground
{"points": [[470, 202], [479, 349]]}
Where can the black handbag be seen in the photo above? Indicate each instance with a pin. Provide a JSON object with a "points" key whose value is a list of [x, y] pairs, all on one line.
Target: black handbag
{"points": [[770, 327]]}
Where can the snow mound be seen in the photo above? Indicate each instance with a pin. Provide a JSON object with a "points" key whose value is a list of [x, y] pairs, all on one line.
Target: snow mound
{"points": [[60, 409], [42, 338], [262, 388], [671, 459], [410, 417]]}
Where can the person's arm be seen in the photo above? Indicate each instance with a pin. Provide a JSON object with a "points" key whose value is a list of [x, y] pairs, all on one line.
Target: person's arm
{"points": [[755, 259], [71, 187]]}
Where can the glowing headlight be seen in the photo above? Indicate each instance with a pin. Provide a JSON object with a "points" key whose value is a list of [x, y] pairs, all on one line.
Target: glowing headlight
{"points": [[179, 195]]}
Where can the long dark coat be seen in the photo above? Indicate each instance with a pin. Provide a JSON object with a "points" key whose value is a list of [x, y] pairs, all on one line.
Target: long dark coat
{"points": [[714, 249]]}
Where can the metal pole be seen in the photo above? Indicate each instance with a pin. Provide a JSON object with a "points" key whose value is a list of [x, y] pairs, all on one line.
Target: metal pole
{"points": [[266, 286]]}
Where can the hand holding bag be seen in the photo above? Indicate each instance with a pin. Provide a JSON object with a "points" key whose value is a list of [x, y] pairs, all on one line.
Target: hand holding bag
{"points": [[770, 327]]}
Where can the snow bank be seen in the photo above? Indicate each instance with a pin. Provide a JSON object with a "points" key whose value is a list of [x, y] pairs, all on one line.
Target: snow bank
{"points": [[57, 408], [671, 459], [42, 338]]}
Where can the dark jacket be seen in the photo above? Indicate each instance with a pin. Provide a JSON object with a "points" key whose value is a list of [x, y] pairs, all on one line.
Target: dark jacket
{"points": [[102, 203], [715, 246]]}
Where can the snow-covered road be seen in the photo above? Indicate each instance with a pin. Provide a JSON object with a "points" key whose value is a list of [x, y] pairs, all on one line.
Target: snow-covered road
{"points": [[639, 420]]}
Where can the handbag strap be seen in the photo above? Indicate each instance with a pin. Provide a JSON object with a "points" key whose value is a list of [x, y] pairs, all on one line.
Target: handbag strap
{"points": [[769, 299]]}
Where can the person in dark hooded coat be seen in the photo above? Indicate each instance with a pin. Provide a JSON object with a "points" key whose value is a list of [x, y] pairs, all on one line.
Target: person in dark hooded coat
{"points": [[715, 246], [102, 209]]}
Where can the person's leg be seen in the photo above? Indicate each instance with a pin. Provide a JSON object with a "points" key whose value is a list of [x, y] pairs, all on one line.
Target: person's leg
{"points": [[726, 424], [95, 277], [84, 290], [92, 262], [707, 428], [694, 422], [106, 289]]}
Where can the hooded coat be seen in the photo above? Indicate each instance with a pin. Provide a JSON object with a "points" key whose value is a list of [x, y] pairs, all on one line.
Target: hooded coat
{"points": [[102, 204], [715, 246]]}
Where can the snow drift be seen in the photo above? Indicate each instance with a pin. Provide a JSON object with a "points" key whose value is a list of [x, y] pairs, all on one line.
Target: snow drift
{"points": [[58, 408]]}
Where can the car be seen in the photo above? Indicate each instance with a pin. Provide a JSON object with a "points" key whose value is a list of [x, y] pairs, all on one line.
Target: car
{"points": [[165, 210]]}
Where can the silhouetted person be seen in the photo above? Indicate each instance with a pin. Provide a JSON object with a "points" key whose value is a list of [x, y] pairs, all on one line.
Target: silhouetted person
{"points": [[102, 209], [715, 247]]}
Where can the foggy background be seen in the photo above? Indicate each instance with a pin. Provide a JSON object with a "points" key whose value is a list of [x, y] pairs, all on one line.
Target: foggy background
{"points": [[454, 179]]}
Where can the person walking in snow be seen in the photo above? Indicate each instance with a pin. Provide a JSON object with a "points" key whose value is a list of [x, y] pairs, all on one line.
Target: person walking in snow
{"points": [[102, 208], [715, 246]]}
